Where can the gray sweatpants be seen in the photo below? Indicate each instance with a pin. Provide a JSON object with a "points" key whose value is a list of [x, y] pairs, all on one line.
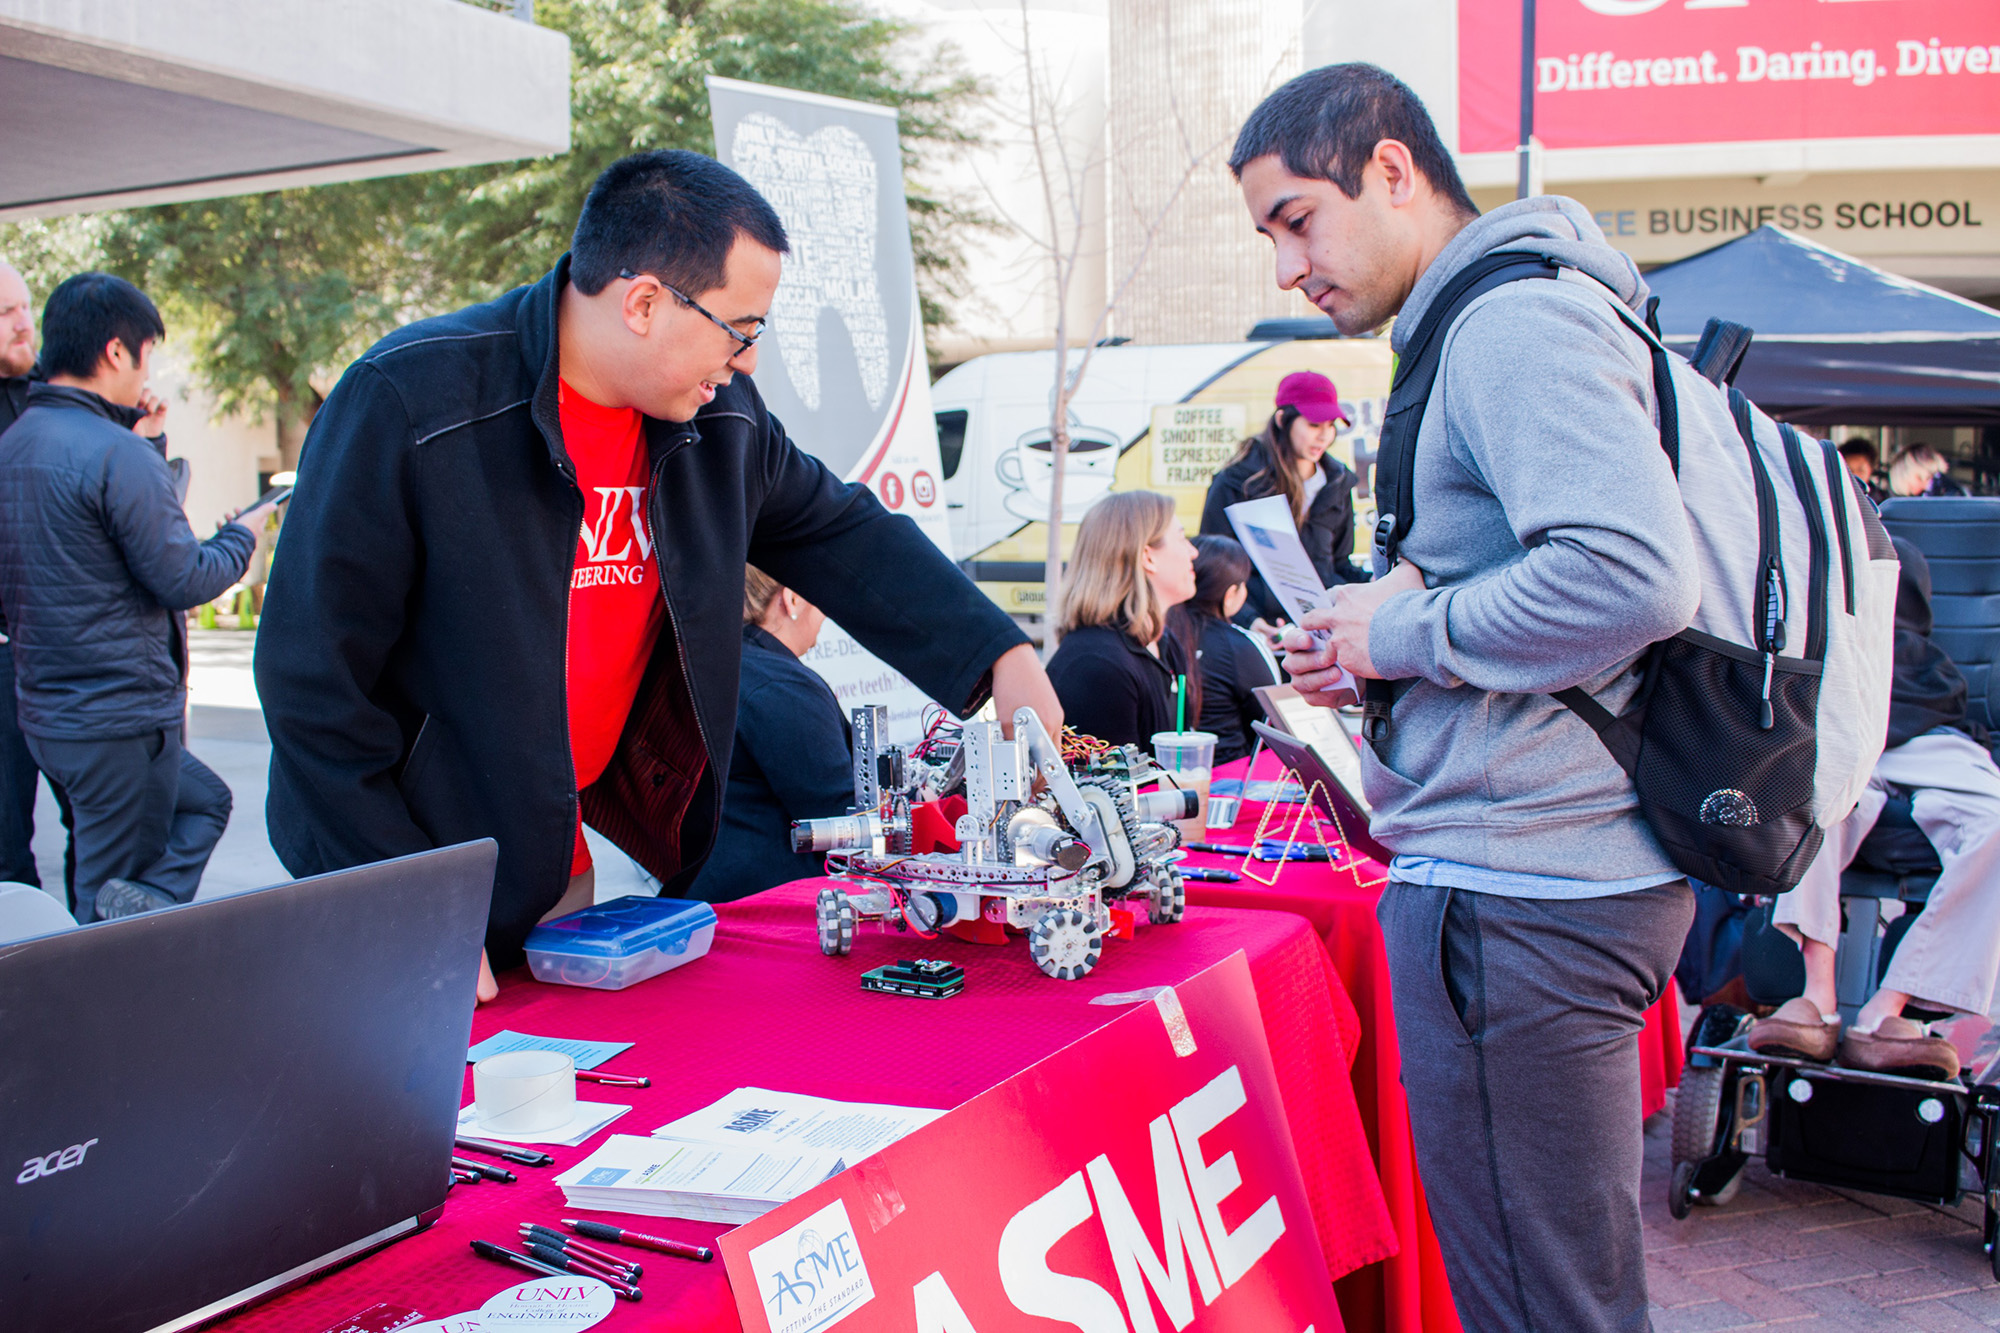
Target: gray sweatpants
{"points": [[144, 808], [1517, 1019]]}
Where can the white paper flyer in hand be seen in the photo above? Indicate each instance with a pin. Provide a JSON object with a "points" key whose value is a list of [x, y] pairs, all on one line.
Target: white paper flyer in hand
{"points": [[1271, 539], [790, 1122]]}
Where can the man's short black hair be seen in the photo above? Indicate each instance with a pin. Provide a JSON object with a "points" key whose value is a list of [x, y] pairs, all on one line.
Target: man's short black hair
{"points": [[85, 313], [1324, 125], [1860, 448], [672, 214]]}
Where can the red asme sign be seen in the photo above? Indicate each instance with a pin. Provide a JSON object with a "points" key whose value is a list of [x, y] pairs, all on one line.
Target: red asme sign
{"points": [[1616, 73], [1141, 1179]]}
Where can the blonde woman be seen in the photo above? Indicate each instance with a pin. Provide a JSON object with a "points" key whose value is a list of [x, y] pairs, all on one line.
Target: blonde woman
{"points": [[1922, 470], [1115, 671]]}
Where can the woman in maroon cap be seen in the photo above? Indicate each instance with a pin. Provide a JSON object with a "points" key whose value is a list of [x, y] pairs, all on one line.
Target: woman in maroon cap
{"points": [[1288, 457]]}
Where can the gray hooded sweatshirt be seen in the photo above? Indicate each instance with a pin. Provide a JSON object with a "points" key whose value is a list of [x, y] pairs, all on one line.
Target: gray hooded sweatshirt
{"points": [[1554, 547]]}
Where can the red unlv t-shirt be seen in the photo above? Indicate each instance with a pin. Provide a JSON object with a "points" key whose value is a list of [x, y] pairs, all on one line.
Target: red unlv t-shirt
{"points": [[615, 607]]}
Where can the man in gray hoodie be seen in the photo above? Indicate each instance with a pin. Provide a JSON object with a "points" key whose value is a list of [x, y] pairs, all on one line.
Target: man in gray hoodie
{"points": [[1531, 917]]}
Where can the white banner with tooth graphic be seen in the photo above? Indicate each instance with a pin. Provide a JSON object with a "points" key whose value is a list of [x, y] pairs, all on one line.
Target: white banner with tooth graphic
{"points": [[843, 365]]}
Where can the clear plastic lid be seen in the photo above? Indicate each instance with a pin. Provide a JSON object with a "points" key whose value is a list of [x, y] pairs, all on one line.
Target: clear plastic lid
{"points": [[623, 927]]}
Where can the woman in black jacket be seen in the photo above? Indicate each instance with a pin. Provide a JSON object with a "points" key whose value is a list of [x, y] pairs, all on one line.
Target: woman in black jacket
{"points": [[1288, 457], [1230, 661], [1117, 670], [792, 758]]}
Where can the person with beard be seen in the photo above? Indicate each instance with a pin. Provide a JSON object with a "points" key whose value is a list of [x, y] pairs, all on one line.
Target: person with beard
{"points": [[1289, 458]]}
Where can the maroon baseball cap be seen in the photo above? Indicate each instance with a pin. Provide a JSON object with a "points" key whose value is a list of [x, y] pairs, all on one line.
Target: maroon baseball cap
{"points": [[1313, 394]]}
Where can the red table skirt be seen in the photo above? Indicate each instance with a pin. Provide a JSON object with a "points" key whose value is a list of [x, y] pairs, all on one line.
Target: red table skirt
{"points": [[1407, 1293], [766, 1009]]}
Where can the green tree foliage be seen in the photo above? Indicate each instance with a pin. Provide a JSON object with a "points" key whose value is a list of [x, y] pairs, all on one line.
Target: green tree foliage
{"points": [[279, 290]]}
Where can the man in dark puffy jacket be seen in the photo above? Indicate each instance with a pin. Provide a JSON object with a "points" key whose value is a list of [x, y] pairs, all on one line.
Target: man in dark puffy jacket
{"points": [[97, 563]]}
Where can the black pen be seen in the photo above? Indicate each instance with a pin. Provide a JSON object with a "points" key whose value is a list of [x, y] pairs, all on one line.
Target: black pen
{"points": [[570, 1263], [1219, 849], [486, 1249], [499, 1173], [1210, 875], [525, 1156]]}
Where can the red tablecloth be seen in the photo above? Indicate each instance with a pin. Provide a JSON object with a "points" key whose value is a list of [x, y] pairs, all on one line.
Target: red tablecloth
{"points": [[1408, 1292], [765, 1009]]}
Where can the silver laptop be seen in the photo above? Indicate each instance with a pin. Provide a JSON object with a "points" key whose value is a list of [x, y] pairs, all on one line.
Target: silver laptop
{"points": [[204, 1105]]}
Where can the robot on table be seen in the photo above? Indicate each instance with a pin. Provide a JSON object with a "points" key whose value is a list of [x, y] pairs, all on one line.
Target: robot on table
{"points": [[1045, 861]]}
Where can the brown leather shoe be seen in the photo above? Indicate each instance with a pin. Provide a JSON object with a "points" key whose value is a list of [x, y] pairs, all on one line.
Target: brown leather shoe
{"points": [[1900, 1046], [1796, 1028]]}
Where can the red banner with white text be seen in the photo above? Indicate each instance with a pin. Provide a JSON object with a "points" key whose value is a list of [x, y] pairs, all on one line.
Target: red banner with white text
{"points": [[1141, 1179], [1615, 73]]}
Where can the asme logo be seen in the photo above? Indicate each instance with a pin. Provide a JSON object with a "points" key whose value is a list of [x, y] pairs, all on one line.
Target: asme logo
{"points": [[61, 1160], [812, 1275]]}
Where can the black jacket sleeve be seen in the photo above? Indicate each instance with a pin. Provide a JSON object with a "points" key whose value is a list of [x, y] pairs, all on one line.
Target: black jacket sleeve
{"points": [[144, 517], [335, 607], [799, 743], [877, 576]]}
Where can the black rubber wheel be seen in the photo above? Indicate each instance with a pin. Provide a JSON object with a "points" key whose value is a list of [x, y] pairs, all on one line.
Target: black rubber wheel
{"points": [[1698, 1114], [1065, 944], [1169, 900], [1679, 1196], [834, 911]]}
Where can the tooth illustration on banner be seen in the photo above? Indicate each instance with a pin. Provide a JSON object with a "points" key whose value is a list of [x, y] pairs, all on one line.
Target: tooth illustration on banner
{"points": [[824, 189]]}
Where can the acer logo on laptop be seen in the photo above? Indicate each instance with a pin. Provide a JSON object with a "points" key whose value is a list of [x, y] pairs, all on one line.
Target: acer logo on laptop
{"points": [[37, 1167]]}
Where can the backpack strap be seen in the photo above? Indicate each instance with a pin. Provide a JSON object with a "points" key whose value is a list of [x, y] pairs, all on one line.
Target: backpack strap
{"points": [[1838, 478], [1409, 397], [1770, 565], [1802, 481]]}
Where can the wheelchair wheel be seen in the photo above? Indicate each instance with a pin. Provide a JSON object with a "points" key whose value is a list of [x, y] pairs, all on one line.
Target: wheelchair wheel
{"points": [[1698, 1114], [1680, 1191]]}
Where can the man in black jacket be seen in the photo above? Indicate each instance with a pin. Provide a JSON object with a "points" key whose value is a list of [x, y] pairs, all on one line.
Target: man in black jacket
{"points": [[97, 564], [418, 660]]}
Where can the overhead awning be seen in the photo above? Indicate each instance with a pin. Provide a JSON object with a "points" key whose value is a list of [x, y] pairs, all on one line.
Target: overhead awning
{"points": [[1838, 342], [116, 103]]}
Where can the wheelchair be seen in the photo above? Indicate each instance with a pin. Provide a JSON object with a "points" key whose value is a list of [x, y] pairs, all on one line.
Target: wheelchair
{"points": [[1913, 1138]]}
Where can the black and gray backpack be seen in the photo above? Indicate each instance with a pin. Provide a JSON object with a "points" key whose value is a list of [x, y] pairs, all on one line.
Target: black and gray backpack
{"points": [[1754, 729]]}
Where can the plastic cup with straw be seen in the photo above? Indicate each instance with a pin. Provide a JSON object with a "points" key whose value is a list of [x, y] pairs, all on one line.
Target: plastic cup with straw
{"points": [[1189, 756]]}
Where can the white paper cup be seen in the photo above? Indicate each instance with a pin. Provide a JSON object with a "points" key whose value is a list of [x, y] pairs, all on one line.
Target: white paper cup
{"points": [[524, 1092]]}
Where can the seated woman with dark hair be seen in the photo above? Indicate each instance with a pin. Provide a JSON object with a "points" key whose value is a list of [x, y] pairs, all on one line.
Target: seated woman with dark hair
{"points": [[1229, 660], [1115, 673], [792, 758]]}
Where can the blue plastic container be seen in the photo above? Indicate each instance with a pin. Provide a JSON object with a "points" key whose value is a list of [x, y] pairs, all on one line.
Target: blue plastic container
{"points": [[620, 943]]}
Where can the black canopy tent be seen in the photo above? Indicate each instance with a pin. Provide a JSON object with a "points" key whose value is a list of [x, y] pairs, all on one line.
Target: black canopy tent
{"points": [[1838, 342]]}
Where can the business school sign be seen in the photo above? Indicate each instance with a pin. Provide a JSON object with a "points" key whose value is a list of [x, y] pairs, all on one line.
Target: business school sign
{"points": [[843, 364], [1631, 73], [1173, 1201]]}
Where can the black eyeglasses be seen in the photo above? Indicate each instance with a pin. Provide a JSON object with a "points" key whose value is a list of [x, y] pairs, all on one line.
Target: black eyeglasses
{"points": [[743, 342]]}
